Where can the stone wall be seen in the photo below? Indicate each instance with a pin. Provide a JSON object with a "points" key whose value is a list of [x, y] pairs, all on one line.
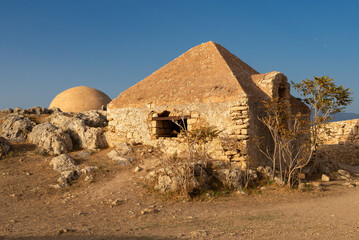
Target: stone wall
{"points": [[140, 125], [341, 141]]}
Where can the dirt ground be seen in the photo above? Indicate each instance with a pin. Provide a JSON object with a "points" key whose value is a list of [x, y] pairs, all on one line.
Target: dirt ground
{"points": [[118, 204]]}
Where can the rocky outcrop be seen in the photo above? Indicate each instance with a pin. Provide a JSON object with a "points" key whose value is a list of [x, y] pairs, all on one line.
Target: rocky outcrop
{"points": [[63, 163], [66, 166], [37, 110], [5, 147], [69, 171], [51, 139], [94, 118], [16, 127], [82, 135]]}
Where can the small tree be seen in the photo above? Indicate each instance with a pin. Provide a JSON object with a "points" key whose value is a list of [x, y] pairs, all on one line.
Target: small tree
{"points": [[325, 99], [295, 139], [289, 132]]}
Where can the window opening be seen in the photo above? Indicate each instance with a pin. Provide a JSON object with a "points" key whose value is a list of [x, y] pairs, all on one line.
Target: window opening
{"points": [[170, 126]]}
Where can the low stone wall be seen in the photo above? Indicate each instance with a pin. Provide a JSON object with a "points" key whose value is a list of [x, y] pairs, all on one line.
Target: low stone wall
{"points": [[139, 125], [341, 141]]}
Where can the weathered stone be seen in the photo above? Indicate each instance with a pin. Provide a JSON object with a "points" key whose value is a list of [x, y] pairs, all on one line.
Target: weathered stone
{"points": [[239, 108], [7, 111], [88, 169], [123, 148], [120, 159], [94, 118], [81, 135], [138, 169], [5, 147], [83, 154], [301, 186], [37, 110], [231, 178], [344, 173], [325, 178], [50, 139], [16, 127], [19, 110], [63, 163]]}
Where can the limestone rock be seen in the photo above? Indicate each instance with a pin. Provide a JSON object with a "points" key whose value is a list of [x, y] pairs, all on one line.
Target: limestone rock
{"points": [[63, 163], [7, 111], [19, 110], [83, 154], [94, 118], [166, 183], [51, 139], [82, 135], [138, 169], [344, 174], [5, 147], [88, 169], [124, 148], [68, 176], [231, 178], [37, 110], [325, 178], [121, 160], [16, 127]]}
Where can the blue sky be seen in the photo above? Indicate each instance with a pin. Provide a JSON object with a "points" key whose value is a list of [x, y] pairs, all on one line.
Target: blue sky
{"points": [[47, 46]]}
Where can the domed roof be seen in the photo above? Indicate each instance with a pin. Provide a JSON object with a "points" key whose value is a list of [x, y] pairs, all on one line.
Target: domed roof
{"points": [[80, 99]]}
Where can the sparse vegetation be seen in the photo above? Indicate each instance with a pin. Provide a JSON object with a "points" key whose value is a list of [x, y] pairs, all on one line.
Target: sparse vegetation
{"points": [[295, 136], [324, 99]]}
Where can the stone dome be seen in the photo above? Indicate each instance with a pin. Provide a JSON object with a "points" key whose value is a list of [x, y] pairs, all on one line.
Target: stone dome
{"points": [[80, 99]]}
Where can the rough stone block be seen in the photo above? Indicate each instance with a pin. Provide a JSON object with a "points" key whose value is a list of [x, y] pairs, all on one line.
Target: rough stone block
{"points": [[244, 131], [239, 108], [242, 137]]}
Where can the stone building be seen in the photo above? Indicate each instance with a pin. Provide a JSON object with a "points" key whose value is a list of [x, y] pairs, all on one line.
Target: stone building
{"points": [[80, 99], [205, 86]]}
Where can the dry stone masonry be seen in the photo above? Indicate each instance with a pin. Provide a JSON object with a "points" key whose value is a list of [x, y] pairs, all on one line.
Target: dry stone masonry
{"points": [[205, 87], [341, 141]]}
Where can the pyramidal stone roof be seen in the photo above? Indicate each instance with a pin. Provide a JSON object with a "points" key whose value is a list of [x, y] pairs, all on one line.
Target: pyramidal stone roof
{"points": [[206, 73]]}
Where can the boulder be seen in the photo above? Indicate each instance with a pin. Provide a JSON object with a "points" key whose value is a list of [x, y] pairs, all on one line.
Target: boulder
{"points": [[167, 183], [81, 135], [66, 166], [231, 178], [124, 148], [119, 158], [63, 163], [325, 178], [5, 147], [16, 127], [50, 139], [94, 118]]}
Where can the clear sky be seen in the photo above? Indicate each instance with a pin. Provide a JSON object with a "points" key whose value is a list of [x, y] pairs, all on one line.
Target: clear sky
{"points": [[47, 46]]}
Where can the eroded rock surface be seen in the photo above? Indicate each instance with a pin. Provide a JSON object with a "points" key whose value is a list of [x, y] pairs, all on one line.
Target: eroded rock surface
{"points": [[16, 127], [82, 135], [94, 118], [51, 139]]}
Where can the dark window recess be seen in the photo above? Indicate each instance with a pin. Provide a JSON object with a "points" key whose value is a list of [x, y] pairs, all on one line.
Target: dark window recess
{"points": [[281, 92], [169, 128]]}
